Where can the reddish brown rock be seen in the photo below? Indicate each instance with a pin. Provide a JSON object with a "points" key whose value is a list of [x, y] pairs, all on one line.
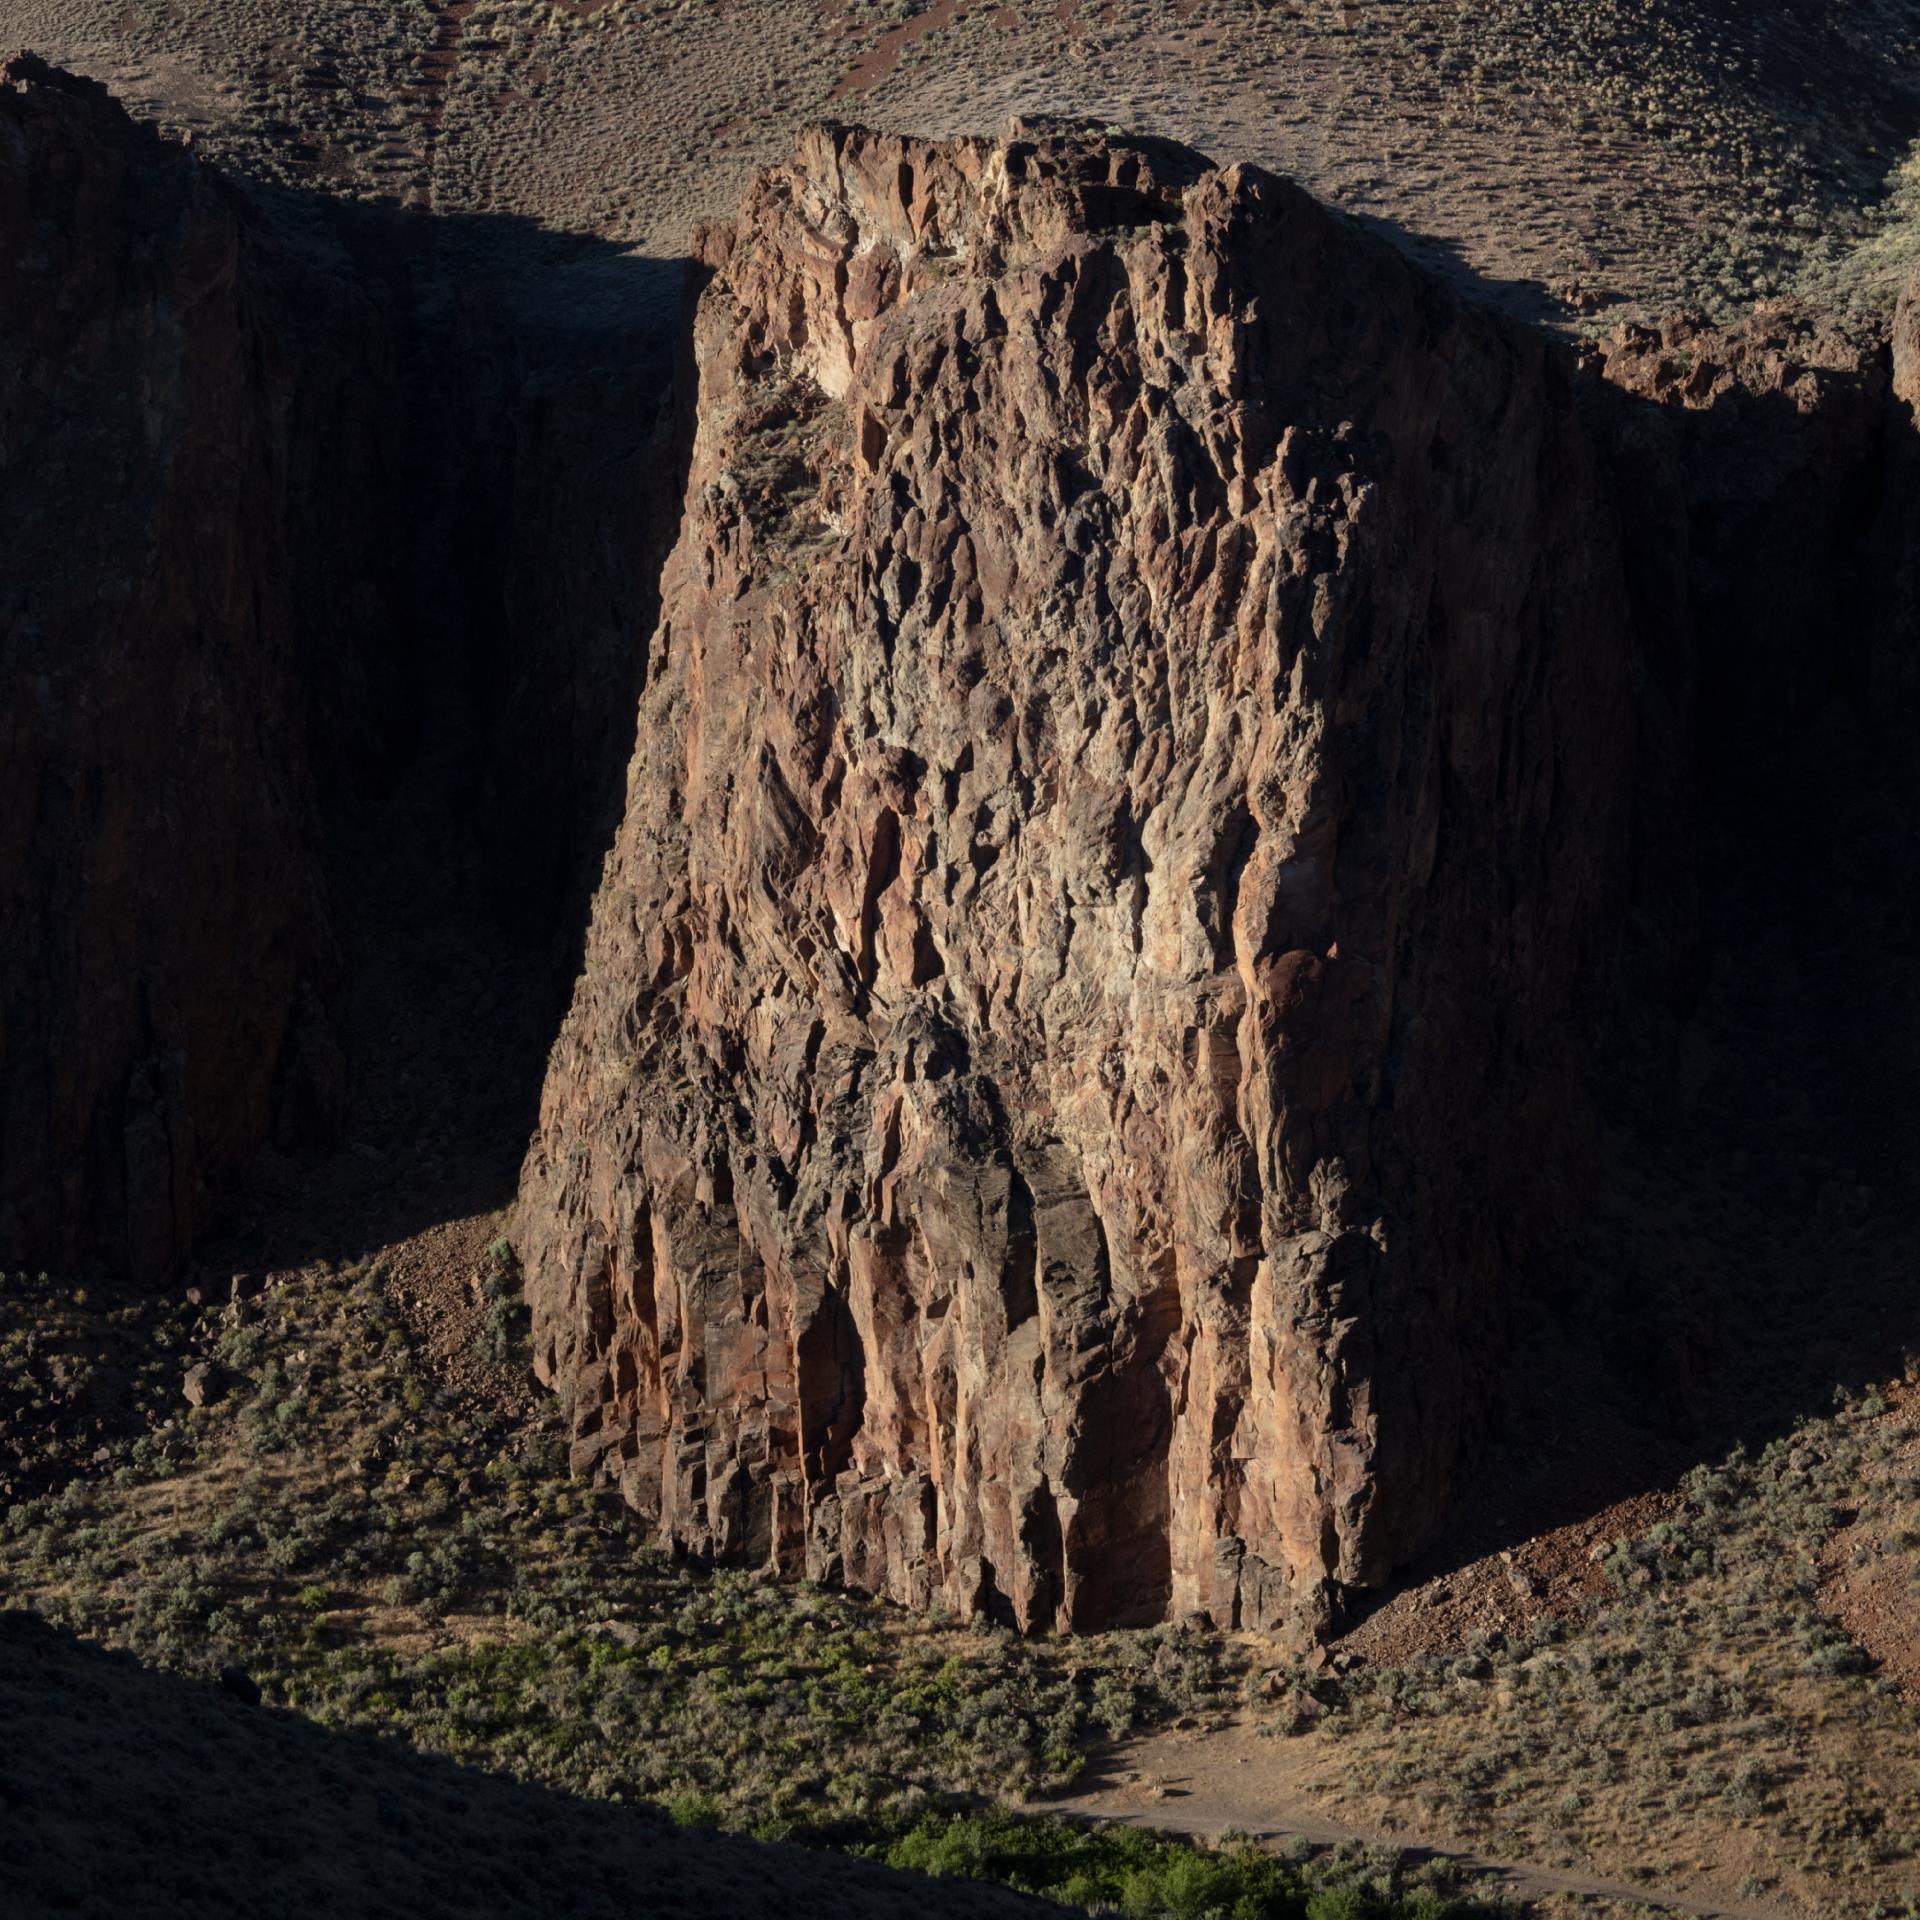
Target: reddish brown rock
{"points": [[1133, 787]]}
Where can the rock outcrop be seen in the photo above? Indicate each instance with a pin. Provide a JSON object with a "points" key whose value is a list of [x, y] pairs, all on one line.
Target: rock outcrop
{"points": [[1135, 794], [164, 626]]}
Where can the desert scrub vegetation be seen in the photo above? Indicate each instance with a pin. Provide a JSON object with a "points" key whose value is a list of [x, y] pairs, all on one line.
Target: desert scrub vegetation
{"points": [[503, 1333], [385, 1557], [265, 1812], [76, 1371], [1707, 1701], [1125, 1870], [1664, 151], [385, 1554]]}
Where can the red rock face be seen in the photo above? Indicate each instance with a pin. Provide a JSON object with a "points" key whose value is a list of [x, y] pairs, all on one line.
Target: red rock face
{"points": [[162, 926], [1134, 782]]}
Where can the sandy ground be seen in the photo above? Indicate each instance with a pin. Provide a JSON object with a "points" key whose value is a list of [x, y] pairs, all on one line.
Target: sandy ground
{"points": [[1246, 1781]]}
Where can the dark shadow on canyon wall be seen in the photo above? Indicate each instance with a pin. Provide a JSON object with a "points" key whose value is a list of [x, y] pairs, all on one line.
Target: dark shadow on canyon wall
{"points": [[471, 775], [1745, 1243], [1528, 301], [537, 489], [332, 535], [132, 1792]]}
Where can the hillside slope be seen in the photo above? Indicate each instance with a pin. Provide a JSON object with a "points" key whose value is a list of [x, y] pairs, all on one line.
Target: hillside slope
{"points": [[1575, 158]]}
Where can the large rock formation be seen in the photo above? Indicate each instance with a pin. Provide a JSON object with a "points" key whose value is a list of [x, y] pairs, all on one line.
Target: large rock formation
{"points": [[169, 472], [1135, 789], [1167, 732]]}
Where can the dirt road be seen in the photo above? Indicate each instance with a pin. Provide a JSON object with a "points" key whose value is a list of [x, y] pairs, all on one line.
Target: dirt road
{"points": [[1238, 1780]]}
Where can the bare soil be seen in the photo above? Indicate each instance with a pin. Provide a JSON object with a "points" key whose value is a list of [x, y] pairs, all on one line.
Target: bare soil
{"points": [[1241, 1780], [1508, 1590], [1870, 1586]]}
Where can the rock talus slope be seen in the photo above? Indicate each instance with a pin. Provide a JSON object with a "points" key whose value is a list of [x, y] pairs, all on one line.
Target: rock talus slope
{"points": [[1135, 789]]}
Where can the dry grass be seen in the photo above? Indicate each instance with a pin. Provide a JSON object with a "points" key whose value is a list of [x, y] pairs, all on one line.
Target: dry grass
{"points": [[1706, 1714], [1575, 158]]}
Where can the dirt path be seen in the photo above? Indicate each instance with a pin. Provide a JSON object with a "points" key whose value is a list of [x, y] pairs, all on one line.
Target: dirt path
{"points": [[1240, 1781]]}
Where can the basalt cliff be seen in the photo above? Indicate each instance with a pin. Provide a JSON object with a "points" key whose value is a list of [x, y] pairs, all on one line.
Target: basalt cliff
{"points": [[1173, 758], [1144, 768]]}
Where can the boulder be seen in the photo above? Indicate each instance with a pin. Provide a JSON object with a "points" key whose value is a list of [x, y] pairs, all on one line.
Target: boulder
{"points": [[203, 1385]]}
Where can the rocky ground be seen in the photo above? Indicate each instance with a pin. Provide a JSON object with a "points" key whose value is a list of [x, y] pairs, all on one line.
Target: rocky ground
{"points": [[1575, 160]]}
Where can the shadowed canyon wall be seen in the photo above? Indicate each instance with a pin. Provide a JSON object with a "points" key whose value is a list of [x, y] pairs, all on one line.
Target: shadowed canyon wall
{"points": [[1136, 788], [285, 506], [169, 490]]}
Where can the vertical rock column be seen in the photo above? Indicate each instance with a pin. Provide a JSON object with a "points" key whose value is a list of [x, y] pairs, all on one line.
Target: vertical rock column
{"points": [[1134, 781]]}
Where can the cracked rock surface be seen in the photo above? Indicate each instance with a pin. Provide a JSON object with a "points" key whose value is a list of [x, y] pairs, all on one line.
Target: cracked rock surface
{"points": [[1134, 781]]}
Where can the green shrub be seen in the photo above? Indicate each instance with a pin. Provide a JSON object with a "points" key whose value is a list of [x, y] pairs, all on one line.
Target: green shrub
{"points": [[694, 1810], [1148, 1876]]}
